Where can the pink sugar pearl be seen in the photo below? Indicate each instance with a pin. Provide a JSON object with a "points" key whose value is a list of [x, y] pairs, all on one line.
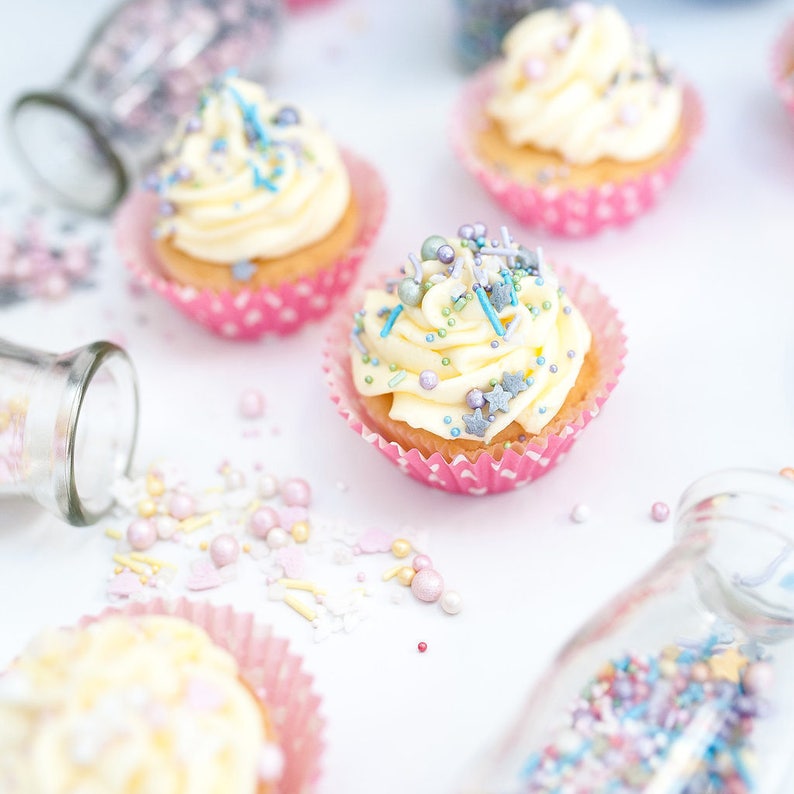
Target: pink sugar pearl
{"points": [[181, 506], [262, 521], [296, 492], [141, 534], [224, 549], [422, 561], [427, 585], [535, 68], [660, 511], [252, 404]]}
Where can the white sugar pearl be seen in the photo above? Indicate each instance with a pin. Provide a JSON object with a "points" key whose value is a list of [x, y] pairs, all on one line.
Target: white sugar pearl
{"points": [[580, 513], [266, 486], [277, 538], [451, 602]]}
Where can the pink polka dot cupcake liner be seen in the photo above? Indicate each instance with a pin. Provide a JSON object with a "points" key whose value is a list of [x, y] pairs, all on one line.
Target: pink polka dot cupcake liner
{"points": [[486, 475], [569, 212], [783, 67], [297, 6], [250, 314], [269, 668]]}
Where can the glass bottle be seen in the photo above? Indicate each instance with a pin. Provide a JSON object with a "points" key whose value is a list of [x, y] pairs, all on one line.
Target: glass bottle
{"points": [[142, 68], [682, 684], [67, 426]]}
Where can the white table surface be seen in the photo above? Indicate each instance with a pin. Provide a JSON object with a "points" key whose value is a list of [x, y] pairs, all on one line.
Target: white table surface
{"points": [[704, 284]]}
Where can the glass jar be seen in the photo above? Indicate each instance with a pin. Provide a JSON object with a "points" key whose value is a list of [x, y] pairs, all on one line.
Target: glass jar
{"points": [[142, 68], [683, 682], [480, 26], [67, 426]]}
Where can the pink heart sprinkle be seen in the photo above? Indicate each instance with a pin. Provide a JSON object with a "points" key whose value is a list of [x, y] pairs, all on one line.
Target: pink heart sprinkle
{"points": [[291, 515], [292, 561], [374, 540], [203, 576], [124, 584]]}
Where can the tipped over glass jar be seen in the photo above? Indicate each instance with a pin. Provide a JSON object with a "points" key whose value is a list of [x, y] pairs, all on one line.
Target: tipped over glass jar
{"points": [[682, 684], [85, 140], [67, 427]]}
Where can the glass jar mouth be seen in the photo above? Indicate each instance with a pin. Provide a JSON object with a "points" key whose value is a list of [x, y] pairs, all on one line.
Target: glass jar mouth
{"points": [[68, 156], [99, 417], [744, 519]]}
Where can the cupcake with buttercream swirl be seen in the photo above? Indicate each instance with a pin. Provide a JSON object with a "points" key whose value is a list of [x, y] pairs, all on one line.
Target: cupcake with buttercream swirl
{"points": [[253, 193], [473, 358], [579, 103]]}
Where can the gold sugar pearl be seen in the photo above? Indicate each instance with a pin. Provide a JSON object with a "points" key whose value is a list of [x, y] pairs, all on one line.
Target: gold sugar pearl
{"points": [[143, 579], [204, 545], [300, 531], [154, 486], [146, 508], [406, 575], [117, 570], [246, 547], [401, 548]]}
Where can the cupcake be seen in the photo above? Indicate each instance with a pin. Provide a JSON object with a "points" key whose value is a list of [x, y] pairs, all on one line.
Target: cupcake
{"points": [[579, 125], [158, 698], [476, 368], [254, 219], [783, 66]]}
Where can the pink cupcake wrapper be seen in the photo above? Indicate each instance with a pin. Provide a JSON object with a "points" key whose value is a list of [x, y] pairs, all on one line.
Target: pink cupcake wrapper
{"points": [[486, 475], [572, 212], [250, 314], [783, 66], [302, 5], [269, 668]]}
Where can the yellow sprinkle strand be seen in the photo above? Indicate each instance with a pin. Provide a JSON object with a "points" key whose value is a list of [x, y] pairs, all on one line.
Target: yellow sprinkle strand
{"points": [[302, 584], [128, 562], [302, 609], [136, 555], [113, 533], [391, 573], [197, 522]]}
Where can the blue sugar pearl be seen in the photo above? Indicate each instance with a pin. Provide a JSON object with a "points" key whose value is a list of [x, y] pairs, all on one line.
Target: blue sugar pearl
{"points": [[429, 338], [530, 380], [455, 432], [375, 362], [447, 420], [541, 361], [542, 409], [539, 281]]}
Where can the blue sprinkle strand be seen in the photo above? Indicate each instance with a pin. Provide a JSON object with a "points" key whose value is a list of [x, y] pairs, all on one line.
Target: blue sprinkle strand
{"points": [[392, 318], [482, 297]]}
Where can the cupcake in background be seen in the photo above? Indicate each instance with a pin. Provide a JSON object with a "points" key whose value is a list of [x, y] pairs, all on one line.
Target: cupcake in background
{"points": [[480, 26], [783, 66], [579, 125], [476, 368], [170, 698], [254, 219]]}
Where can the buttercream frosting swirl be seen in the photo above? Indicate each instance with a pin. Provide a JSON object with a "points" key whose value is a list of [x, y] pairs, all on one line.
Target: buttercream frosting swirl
{"points": [[128, 706], [247, 177], [579, 82], [478, 334]]}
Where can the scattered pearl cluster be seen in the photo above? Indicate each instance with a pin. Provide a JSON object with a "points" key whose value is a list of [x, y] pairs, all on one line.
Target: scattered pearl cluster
{"points": [[42, 255], [640, 710], [175, 537]]}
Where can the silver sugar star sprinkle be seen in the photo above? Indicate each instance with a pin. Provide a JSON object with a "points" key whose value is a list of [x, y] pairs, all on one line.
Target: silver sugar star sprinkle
{"points": [[498, 399], [475, 423], [514, 383]]}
